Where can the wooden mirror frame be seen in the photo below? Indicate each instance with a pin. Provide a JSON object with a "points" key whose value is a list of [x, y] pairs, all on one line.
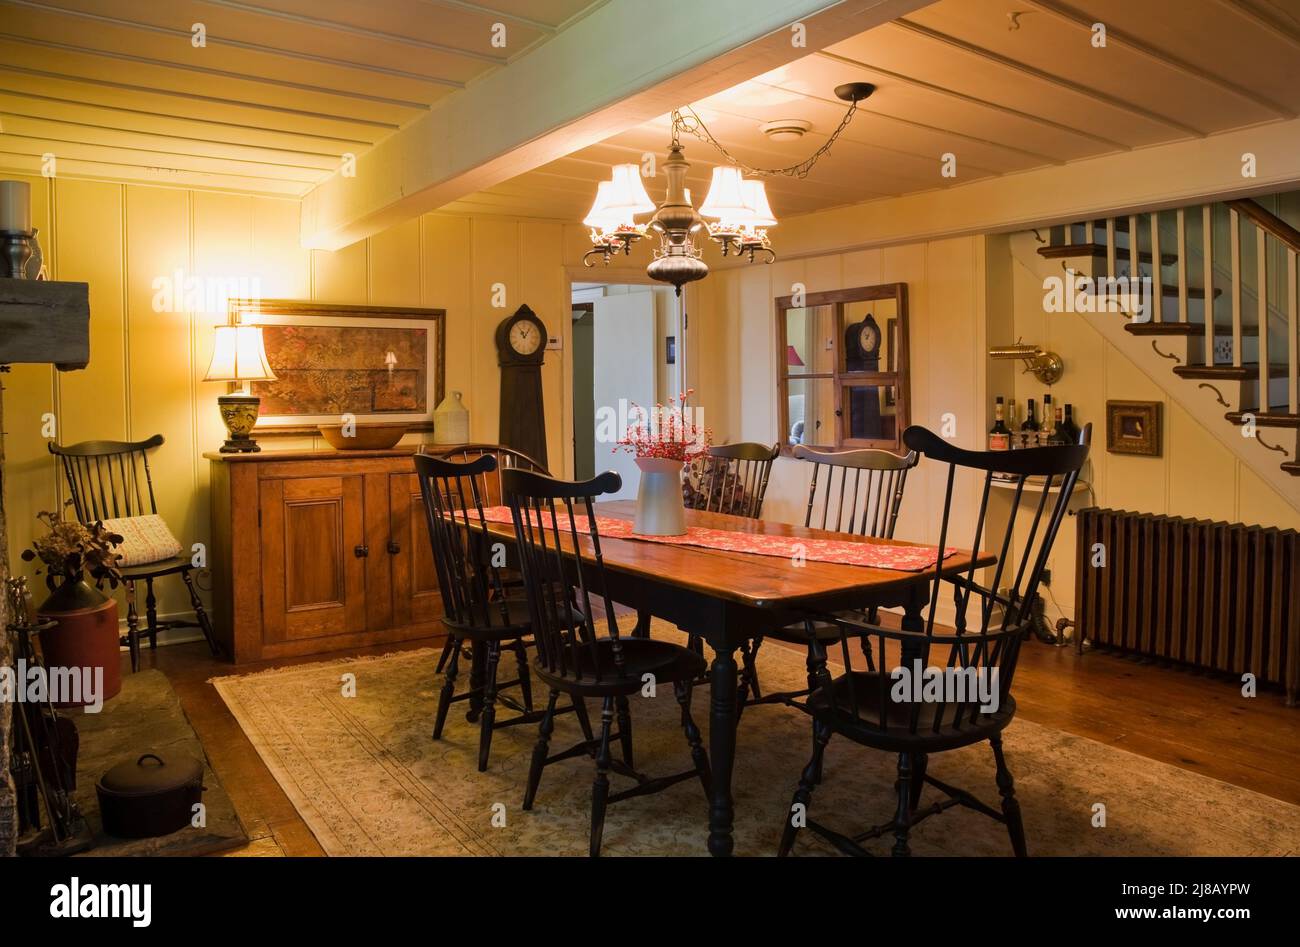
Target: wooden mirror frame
{"points": [[839, 377]]}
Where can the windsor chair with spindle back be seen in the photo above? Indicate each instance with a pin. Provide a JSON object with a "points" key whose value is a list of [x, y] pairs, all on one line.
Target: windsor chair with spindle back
{"points": [[559, 548], [477, 610], [112, 480], [852, 491], [946, 690]]}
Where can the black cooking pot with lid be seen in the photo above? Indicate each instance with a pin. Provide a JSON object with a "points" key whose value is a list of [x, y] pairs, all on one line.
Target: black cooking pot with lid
{"points": [[150, 796]]}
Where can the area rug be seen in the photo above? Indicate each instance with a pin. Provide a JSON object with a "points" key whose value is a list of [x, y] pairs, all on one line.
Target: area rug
{"points": [[368, 779], [144, 717]]}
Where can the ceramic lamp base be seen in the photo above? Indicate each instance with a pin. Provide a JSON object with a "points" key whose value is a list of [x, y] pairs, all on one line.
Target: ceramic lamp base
{"points": [[239, 412]]}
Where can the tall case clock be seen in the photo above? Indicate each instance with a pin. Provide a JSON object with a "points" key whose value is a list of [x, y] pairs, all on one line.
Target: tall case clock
{"points": [[521, 346]]}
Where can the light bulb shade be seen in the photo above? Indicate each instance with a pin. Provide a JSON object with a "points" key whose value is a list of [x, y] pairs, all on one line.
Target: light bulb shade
{"points": [[600, 216], [239, 356], [726, 197], [627, 194], [760, 212]]}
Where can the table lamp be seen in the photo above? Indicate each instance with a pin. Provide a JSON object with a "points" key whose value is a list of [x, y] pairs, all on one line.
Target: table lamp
{"points": [[239, 357]]}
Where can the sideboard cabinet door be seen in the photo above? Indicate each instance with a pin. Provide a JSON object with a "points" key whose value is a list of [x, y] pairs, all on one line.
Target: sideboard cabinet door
{"points": [[415, 577], [314, 557]]}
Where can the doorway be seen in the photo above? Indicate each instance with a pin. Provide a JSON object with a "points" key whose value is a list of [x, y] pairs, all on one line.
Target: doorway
{"points": [[625, 339]]}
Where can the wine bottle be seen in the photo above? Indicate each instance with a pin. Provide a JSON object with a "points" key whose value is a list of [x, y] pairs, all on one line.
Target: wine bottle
{"points": [[1014, 439], [1067, 430], [1000, 434]]}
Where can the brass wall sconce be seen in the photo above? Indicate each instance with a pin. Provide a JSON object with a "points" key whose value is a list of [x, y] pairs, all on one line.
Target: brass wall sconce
{"points": [[1046, 366]]}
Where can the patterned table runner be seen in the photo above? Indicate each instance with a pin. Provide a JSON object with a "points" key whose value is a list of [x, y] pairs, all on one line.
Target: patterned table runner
{"points": [[873, 555]]}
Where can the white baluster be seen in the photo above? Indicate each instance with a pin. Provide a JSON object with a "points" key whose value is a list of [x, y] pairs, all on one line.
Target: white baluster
{"points": [[1157, 289], [1292, 335], [1110, 247], [1234, 228], [1207, 258], [1182, 266], [1261, 292], [1133, 272]]}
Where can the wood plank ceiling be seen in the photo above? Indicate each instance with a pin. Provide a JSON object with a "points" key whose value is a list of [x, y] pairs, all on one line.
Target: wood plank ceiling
{"points": [[116, 89], [1002, 93], [281, 91]]}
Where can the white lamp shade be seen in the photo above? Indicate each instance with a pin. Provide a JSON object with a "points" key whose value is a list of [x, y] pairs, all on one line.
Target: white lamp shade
{"points": [[726, 197], [760, 212], [239, 356], [599, 216], [627, 194]]}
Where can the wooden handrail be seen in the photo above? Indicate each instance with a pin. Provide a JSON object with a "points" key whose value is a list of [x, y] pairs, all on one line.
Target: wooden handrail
{"points": [[1268, 221]]}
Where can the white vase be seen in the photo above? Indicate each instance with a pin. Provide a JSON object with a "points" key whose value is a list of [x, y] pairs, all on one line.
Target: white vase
{"points": [[659, 507], [451, 421]]}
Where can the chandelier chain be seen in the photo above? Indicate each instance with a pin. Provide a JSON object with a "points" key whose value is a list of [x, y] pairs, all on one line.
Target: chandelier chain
{"points": [[692, 124]]}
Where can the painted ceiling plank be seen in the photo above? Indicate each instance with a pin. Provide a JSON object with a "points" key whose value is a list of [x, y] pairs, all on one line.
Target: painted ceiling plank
{"points": [[1112, 185], [615, 68]]}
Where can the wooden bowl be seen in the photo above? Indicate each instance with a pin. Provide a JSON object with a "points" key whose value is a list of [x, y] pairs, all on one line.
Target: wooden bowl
{"points": [[364, 436]]}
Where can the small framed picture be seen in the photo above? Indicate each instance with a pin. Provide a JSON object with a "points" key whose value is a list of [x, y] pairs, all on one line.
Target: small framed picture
{"points": [[1133, 427], [671, 349]]}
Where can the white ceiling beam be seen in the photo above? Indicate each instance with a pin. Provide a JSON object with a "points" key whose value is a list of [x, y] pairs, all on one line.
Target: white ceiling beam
{"points": [[623, 64], [1154, 178]]}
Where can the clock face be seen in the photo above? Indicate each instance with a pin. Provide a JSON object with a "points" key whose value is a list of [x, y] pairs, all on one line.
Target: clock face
{"points": [[525, 337], [869, 338]]}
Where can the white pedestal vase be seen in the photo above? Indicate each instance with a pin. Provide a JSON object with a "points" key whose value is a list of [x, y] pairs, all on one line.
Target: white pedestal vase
{"points": [[659, 507]]}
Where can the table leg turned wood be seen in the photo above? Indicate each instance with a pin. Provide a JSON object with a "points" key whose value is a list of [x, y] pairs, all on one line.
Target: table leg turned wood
{"points": [[722, 749]]}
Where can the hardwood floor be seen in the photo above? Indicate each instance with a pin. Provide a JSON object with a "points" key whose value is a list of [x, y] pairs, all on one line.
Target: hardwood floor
{"points": [[1196, 722]]}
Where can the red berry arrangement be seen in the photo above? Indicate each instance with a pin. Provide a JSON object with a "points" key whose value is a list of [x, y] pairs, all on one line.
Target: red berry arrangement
{"points": [[669, 433]]}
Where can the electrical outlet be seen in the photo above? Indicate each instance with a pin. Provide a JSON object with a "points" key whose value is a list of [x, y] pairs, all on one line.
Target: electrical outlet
{"points": [[1047, 577]]}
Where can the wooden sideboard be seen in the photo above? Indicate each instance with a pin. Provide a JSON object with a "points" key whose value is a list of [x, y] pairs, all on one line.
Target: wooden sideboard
{"points": [[316, 551]]}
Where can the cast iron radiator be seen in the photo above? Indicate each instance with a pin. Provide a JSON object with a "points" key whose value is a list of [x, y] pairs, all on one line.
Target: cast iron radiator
{"points": [[1219, 596]]}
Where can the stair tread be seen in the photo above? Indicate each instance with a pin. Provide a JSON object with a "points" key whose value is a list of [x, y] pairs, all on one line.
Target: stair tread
{"points": [[1274, 417], [1185, 328], [1058, 250], [1246, 370]]}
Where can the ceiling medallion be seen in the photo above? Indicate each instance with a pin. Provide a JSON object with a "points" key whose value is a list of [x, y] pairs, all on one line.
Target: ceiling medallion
{"points": [[736, 205]]}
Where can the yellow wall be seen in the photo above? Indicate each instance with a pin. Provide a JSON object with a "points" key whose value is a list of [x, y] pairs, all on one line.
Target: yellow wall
{"points": [[146, 368]]}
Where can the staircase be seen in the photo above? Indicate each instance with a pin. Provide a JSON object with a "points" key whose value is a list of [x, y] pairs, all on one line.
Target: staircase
{"points": [[1238, 343]]}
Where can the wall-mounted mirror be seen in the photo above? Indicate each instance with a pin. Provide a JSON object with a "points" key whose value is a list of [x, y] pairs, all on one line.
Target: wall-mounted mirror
{"points": [[842, 381]]}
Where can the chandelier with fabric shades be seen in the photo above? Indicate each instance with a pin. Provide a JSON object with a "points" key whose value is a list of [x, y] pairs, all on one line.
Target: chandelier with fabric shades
{"points": [[736, 206]]}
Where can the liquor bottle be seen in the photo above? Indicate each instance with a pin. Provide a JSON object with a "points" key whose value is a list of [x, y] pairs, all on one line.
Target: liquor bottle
{"points": [[1000, 434], [1029, 424], [1067, 430], [1014, 439], [1058, 436], [1049, 421]]}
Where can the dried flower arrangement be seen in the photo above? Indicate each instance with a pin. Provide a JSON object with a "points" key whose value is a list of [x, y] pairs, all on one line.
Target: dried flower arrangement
{"points": [[669, 433], [74, 551]]}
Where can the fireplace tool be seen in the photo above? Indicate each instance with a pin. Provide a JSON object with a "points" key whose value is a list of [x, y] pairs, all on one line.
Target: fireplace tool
{"points": [[44, 762]]}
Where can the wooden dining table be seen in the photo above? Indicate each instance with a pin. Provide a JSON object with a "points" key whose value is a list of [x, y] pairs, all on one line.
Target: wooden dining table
{"points": [[728, 597]]}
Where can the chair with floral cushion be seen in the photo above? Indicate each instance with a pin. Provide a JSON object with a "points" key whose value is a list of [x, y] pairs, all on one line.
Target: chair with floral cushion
{"points": [[110, 482]]}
